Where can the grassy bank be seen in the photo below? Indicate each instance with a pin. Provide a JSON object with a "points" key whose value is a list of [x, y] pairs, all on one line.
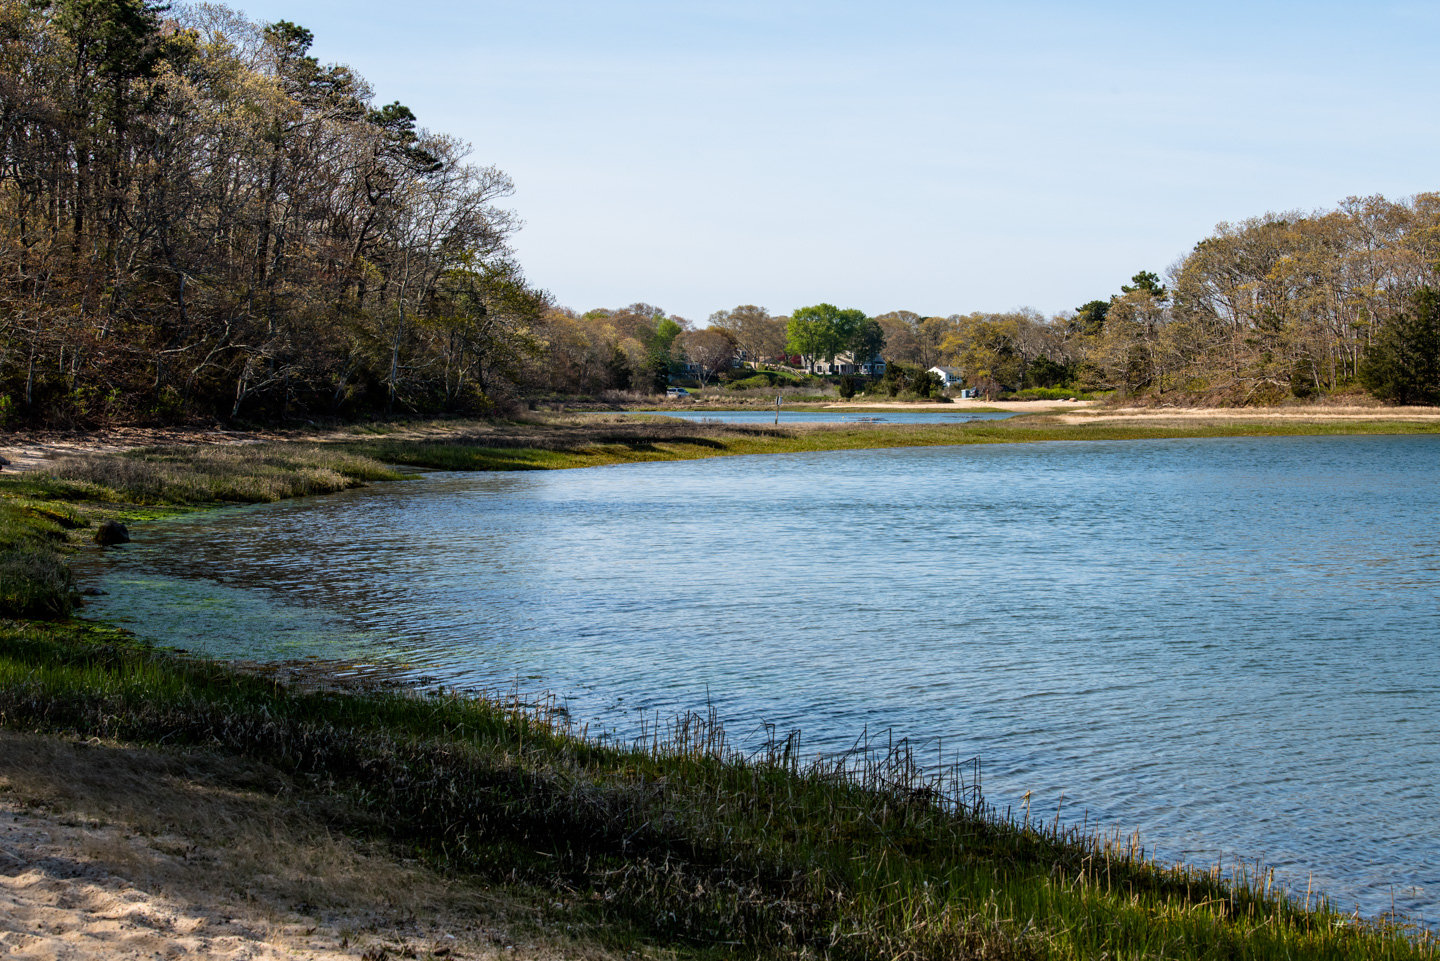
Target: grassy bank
{"points": [[681, 842], [567, 441], [42, 514]]}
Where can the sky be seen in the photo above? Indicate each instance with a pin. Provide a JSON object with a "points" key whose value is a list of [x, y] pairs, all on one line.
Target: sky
{"points": [[935, 157]]}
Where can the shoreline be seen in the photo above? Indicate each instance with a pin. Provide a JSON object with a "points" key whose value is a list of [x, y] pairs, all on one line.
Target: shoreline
{"points": [[424, 772], [1129, 426]]}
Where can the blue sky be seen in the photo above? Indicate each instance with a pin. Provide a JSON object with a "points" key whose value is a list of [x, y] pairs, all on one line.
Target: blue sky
{"points": [[922, 156]]}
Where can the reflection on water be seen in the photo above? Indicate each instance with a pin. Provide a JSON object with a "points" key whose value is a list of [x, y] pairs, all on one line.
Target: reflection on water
{"points": [[1229, 644]]}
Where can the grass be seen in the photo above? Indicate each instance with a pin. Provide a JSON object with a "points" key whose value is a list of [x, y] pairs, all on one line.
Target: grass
{"points": [[242, 473], [568, 441], [41, 515], [679, 840]]}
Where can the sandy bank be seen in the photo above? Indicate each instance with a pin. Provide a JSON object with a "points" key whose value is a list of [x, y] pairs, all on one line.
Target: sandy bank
{"points": [[1201, 416], [108, 851]]}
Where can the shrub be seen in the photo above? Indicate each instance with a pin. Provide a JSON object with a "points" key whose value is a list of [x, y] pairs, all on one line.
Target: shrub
{"points": [[926, 384], [1048, 393]]}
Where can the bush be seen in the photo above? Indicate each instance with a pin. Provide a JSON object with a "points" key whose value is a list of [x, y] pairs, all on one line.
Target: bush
{"points": [[1048, 393], [926, 384], [847, 387], [750, 383]]}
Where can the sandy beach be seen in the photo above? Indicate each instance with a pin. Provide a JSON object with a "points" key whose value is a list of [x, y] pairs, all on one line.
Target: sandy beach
{"points": [[1010, 406]]}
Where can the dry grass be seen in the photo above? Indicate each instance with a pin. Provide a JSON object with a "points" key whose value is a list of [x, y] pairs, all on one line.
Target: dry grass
{"points": [[202, 836], [248, 473]]}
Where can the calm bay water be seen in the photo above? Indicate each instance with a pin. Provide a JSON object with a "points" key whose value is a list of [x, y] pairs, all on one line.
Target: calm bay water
{"points": [[1231, 645]]}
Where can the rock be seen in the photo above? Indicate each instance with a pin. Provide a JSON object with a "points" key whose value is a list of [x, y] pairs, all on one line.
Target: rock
{"points": [[94, 592], [112, 532]]}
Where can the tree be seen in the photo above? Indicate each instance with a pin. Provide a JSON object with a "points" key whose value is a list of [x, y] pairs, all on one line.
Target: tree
{"points": [[198, 217], [710, 349], [1146, 282], [756, 332], [926, 383], [822, 331], [1090, 317], [1403, 363], [866, 341]]}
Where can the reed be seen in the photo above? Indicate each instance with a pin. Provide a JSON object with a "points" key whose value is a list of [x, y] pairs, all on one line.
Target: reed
{"points": [[874, 852]]}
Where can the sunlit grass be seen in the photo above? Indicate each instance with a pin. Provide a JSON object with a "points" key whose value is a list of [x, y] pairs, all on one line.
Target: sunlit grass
{"points": [[680, 837], [572, 441]]}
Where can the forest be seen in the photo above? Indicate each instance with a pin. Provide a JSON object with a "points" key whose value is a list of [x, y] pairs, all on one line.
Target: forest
{"points": [[202, 221]]}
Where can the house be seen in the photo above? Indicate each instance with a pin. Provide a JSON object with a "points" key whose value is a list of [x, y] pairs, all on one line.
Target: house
{"points": [[949, 376], [845, 364]]}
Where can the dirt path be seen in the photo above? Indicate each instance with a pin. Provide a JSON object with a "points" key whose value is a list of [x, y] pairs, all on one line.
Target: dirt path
{"points": [[109, 851]]}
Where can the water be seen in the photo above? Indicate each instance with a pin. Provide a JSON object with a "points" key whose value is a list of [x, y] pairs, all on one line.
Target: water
{"points": [[1229, 644], [827, 416]]}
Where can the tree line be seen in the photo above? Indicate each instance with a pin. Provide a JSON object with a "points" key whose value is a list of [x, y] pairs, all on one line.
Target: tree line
{"points": [[197, 217], [1273, 308]]}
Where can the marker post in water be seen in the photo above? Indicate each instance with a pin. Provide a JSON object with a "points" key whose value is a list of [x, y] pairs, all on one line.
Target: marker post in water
{"points": [[777, 408]]}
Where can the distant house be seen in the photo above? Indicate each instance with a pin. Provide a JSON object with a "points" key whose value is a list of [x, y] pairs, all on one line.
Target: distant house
{"points": [[845, 364], [949, 376]]}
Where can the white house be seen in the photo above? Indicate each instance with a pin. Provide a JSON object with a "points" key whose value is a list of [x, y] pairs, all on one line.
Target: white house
{"points": [[845, 364], [949, 376]]}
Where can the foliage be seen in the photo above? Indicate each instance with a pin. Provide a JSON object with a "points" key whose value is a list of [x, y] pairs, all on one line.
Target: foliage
{"points": [[1402, 363], [710, 349], [897, 378], [926, 383], [824, 330], [1048, 393], [847, 386], [756, 332], [198, 217], [1275, 307], [629, 348]]}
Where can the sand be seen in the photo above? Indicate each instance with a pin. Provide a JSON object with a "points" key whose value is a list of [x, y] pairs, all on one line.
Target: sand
{"points": [[1009, 406], [109, 851], [1199, 416]]}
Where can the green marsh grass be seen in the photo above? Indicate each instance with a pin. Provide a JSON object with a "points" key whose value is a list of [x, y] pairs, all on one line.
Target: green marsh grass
{"points": [[681, 838], [568, 441]]}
